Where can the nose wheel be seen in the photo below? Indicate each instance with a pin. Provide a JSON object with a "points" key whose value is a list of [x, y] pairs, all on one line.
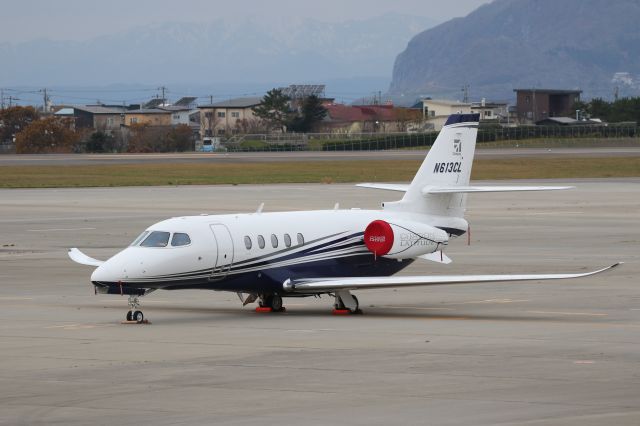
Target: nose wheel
{"points": [[135, 315]]}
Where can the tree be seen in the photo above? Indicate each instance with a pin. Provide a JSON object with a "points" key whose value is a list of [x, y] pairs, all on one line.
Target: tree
{"points": [[100, 142], [50, 135], [13, 120], [311, 112], [274, 110], [180, 138]]}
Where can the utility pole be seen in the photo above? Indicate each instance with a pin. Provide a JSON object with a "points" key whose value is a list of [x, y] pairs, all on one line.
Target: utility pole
{"points": [[210, 99], [45, 99], [163, 89], [2, 98], [465, 94], [11, 98]]}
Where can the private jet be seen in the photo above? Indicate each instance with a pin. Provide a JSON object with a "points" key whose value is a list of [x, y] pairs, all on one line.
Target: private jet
{"points": [[266, 257]]}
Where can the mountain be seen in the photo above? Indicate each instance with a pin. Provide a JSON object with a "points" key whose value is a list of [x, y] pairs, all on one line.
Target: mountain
{"points": [[289, 50], [593, 45]]}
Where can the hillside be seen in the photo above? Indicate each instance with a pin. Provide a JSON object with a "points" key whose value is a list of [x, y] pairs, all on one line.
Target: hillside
{"points": [[244, 51], [515, 43]]}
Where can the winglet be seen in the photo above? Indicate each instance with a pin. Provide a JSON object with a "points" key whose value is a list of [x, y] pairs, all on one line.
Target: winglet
{"points": [[81, 258]]}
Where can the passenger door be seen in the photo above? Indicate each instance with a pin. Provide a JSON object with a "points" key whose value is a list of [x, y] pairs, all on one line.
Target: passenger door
{"points": [[224, 244]]}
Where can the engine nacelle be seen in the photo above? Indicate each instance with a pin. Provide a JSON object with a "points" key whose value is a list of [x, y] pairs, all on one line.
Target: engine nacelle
{"points": [[403, 239]]}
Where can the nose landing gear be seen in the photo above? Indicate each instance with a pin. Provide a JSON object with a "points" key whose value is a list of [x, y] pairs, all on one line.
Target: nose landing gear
{"points": [[135, 315]]}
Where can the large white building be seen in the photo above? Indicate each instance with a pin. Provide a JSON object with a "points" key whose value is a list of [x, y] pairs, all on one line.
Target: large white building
{"points": [[436, 111]]}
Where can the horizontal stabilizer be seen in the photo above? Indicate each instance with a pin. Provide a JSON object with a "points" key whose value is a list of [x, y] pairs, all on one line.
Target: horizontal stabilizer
{"points": [[323, 285], [385, 186], [81, 258], [471, 189]]}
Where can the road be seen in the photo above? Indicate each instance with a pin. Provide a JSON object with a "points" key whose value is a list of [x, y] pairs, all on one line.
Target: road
{"points": [[261, 157]]}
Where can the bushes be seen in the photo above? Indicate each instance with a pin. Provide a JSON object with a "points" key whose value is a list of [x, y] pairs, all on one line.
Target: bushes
{"points": [[50, 135]]}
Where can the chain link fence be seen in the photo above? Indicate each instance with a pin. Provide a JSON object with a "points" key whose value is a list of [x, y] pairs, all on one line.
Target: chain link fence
{"points": [[488, 136]]}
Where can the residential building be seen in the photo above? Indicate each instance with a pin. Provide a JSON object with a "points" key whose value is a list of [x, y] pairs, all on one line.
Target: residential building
{"points": [[96, 117], [228, 117], [534, 105], [491, 111], [369, 118], [437, 111], [150, 117]]}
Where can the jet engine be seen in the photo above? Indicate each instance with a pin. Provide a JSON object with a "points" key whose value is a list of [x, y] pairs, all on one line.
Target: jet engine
{"points": [[403, 239]]}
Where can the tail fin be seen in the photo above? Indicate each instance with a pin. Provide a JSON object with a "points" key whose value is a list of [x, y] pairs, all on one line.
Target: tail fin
{"points": [[448, 164]]}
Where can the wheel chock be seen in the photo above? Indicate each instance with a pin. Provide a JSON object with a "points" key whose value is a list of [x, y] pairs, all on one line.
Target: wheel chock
{"points": [[346, 312], [145, 322], [263, 309]]}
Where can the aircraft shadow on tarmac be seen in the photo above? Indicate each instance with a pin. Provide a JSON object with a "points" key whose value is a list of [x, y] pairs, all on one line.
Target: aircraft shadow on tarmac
{"points": [[204, 314]]}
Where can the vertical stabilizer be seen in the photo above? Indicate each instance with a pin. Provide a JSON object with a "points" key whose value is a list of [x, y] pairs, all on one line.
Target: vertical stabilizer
{"points": [[448, 163]]}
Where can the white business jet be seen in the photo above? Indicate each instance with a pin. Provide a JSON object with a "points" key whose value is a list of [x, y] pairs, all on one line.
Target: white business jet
{"points": [[268, 256]]}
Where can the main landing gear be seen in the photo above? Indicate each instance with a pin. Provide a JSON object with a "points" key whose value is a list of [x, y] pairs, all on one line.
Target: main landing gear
{"points": [[270, 303], [346, 303]]}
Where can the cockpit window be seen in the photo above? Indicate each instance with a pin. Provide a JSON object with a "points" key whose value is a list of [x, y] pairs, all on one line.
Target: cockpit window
{"points": [[180, 239], [140, 238], [156, 239]]}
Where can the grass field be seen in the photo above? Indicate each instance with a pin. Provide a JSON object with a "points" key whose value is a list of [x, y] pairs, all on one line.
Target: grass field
{"points": [[304, 172]]}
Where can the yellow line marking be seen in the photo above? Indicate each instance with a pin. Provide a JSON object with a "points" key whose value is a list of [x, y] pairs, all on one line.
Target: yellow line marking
{"points": [[588, 314]]}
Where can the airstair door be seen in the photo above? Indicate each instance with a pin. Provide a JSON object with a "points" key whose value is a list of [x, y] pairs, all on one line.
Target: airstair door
{"points": [[224, 243]]}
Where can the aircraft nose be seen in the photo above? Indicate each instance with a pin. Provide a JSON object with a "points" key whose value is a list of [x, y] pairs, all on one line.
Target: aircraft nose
{"points": [[99, 274]]}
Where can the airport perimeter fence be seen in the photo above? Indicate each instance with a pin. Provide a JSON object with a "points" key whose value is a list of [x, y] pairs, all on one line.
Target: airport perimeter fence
{"points": [[489, 136]]}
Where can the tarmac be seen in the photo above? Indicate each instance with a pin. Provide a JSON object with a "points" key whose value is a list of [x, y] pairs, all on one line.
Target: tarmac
{"points": [[552, 353], [288, 156]]}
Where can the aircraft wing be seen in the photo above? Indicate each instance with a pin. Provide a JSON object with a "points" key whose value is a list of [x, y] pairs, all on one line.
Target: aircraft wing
{"points": [[81, 258], [324, 285]]}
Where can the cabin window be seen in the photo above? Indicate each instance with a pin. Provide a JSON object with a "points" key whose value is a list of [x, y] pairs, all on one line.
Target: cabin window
{"points": [[260, 241], [300, 239], [156, 239], [274, 241], [247, 242], [287, 240], [179, 239], [140, 238]]}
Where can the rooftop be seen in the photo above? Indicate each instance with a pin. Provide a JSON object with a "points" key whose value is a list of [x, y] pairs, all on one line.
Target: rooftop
{"points": [[98, 109], [236, 103], [550, 91]]}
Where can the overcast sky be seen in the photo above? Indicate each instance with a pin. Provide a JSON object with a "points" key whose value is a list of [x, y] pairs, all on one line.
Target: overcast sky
{"points": [[81, 19]]}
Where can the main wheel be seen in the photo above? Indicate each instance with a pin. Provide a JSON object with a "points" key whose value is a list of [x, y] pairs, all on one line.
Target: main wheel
{"points": [[129, 316], [138, 316], [276, 303]]}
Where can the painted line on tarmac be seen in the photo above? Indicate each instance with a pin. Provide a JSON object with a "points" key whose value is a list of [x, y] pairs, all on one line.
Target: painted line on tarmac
{"points": [[586, 314], [59, 229]]}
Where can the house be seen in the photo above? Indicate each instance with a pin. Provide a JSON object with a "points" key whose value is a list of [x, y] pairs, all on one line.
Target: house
{"points": [[369, 118], [228, 117], [491, 111], [96, 117], [534, 105], [437, 111], [148, 116]]}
